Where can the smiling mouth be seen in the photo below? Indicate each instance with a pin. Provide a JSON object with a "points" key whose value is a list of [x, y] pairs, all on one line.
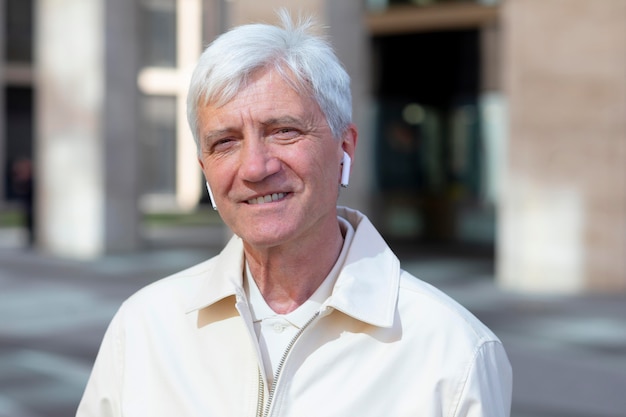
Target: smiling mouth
{"points": [[267, 198]]}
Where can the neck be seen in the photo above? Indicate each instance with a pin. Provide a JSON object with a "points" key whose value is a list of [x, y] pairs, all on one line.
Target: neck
{"points": [[288, 275]]}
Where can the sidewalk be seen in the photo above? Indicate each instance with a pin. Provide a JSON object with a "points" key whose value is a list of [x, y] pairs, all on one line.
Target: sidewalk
{"points": [[568, 353]]}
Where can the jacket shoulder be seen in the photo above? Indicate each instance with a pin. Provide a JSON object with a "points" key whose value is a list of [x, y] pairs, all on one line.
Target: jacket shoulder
{"points": [[179, 288], [435, 308]]}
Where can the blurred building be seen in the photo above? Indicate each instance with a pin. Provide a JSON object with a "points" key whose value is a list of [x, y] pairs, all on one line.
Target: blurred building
{"points": [[16, 103], [491, 124]]}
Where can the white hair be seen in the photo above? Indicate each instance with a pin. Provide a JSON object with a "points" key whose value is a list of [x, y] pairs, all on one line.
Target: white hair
{"points": [[304, 59]]}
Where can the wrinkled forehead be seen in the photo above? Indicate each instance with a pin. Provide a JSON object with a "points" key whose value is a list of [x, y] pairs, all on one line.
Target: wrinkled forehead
{"points": [[219, 92]]}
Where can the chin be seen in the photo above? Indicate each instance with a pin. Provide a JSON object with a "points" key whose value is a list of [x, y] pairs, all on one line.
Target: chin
{"points": [[267, 239]]}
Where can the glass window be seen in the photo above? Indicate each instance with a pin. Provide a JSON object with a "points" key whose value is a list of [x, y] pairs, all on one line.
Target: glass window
{"points": [[158, 145], [429, 148], [19, 30], [19, 130], [158, 33]]}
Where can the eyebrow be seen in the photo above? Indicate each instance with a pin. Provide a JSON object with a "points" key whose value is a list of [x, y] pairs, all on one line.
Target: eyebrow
{"points": [[285, 120]]}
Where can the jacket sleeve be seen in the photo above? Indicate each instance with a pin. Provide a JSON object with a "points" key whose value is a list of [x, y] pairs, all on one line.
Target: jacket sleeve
{"points": [[102, 395], [487, 390]]}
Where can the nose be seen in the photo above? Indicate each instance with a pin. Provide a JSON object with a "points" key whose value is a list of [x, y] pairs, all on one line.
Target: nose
{"points": [[257, 161]]}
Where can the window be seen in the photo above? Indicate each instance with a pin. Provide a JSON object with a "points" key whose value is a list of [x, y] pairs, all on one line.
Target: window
{"points": [[19, 30], [158, 144], [158, 33]]}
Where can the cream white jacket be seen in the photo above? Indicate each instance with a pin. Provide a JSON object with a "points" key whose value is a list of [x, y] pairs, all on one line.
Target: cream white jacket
{"points": [[384, 344]]}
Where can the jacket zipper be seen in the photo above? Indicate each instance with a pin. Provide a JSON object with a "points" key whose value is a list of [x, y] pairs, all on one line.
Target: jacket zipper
{"points": [[272, 389], [261, 395]]}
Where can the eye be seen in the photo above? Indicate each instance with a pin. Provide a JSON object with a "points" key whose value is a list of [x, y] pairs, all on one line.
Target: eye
{"points": [[286, 133], [218, 146], [222, 145]]}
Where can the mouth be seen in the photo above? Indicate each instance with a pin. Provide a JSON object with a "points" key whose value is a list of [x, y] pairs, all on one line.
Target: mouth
{"points": [[269, 198]]}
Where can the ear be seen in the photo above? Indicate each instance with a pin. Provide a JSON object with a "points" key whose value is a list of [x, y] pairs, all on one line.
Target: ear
{"points": [[349, 140], [348, 146], [346, 165], [213, 203]]}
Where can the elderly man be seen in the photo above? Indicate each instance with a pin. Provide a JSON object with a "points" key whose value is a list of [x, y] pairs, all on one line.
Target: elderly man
{"points": [[306, 311]]}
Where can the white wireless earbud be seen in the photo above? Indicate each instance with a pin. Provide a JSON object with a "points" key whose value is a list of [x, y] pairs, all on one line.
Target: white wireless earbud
{"points": [[208, 188], [345, 170]]}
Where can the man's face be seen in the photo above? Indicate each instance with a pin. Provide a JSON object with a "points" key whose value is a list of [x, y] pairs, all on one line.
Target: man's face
{"points": [[272, 163]]}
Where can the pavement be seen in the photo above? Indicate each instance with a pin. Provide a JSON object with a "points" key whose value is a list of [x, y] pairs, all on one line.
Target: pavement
{"points": [[568, 352]]}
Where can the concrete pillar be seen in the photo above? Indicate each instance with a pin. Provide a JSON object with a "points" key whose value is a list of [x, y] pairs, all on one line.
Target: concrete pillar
{"points": [[86, 62], [351, 43], [562, 219]]}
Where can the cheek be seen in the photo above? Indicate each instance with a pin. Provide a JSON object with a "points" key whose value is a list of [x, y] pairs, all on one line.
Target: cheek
{"points": [[315, 169], [215, 172], [329, 165]]}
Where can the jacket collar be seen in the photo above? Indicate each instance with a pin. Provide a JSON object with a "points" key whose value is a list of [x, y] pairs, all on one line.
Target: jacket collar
{"points": [[223, 276], [366, 288]]}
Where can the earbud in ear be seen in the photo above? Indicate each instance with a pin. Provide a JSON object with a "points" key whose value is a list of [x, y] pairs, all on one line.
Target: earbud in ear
{"points": [[345, 170], [208, 188]]}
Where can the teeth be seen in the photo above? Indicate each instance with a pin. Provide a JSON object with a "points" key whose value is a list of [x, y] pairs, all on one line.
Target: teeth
{"points": [[267, 198]]}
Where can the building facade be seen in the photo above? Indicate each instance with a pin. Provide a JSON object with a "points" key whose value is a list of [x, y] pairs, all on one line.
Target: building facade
{"points": [[491, 124]]}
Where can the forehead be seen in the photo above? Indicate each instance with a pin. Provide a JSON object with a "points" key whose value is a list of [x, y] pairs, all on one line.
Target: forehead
{"points": [[266, 95]]}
